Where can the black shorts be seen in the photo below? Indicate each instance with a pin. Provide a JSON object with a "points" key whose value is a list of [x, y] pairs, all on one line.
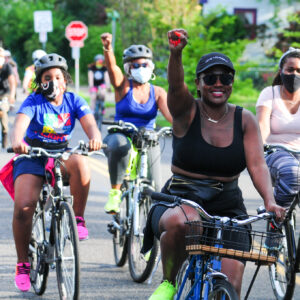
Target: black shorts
{"points": [[228, 203]]}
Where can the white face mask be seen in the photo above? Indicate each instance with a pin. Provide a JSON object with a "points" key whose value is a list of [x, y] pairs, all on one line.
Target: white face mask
{"points": [[141, 75], [2, 61]]}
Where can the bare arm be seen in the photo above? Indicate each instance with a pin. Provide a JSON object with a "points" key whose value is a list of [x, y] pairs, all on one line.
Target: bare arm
{"points": [[256, 164], [180, 100], [90, 79], [21, 124], [12, 88], [115, 73], [162, 103], [90, 128], [263, 115]]}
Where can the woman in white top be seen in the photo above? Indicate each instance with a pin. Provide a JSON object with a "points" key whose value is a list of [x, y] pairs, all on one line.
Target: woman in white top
{"points": [[278, 115]]}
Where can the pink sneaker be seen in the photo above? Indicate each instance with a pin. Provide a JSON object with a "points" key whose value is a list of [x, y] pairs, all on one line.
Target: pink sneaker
{"points": [[22, 278], [83, 233]]}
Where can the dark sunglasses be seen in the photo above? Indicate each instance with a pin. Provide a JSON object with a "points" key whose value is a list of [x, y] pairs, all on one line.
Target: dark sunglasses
{"points": [[137, 65], [211, 79]]}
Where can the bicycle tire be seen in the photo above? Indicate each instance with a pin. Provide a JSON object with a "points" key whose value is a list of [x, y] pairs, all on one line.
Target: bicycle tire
{"points": [[282, 275], [140, 266], [39, 269], [179, 280], [99, 113], [120, 237], [67, 253], [221, 288]]}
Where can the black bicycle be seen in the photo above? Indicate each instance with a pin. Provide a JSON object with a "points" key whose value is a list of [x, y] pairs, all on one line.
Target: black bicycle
{"points": [[127, 226], [54, 237], [283, 273], [100, 107]]}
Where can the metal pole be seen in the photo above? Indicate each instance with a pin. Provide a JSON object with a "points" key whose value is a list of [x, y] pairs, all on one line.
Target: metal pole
{"points": [[77, 75]]}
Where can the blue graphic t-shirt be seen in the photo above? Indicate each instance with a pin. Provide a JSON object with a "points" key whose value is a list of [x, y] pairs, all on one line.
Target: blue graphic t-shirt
{"points": [[50, 123]]}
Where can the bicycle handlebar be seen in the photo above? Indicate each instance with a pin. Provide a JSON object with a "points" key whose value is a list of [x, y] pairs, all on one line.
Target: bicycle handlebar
{"points": [[82, 148], [175, 199], [268, 147], [146, 133]]}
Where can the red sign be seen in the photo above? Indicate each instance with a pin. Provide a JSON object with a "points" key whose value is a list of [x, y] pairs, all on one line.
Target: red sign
{"points": [[76, 33]]}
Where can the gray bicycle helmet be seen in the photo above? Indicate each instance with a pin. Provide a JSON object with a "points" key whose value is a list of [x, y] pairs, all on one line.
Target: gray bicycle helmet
{"points": [[98, 57], [50, 61], [136, 51]]}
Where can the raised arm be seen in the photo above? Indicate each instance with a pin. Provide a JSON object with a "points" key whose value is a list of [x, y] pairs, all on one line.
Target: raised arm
{"points": [[256, 164], [115, 73], [180, 100]]}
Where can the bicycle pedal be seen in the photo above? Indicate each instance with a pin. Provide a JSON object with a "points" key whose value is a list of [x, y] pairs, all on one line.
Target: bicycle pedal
{"points": [[111, 228]]}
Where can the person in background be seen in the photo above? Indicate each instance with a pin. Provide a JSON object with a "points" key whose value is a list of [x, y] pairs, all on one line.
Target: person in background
{"points": [[14, 65], [137, 101], [278, 114], [29, 76], [7, 95], [98, 80], [46, 119], [213, 142]]}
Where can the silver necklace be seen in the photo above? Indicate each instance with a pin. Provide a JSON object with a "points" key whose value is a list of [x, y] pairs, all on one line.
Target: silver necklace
{"points": [[213, 120]]}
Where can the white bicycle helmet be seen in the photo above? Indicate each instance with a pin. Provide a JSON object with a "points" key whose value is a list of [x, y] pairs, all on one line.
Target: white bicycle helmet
{"points": [[136, 51], [50, 61], [37, 54]]}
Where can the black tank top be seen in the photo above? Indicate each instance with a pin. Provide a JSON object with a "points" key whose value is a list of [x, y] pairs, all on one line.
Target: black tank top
{"points": [[193, 154]]}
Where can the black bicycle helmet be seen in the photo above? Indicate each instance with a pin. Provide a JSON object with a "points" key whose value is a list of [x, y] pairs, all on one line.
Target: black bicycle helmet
{"points": [[50, 61], [136, 51]]}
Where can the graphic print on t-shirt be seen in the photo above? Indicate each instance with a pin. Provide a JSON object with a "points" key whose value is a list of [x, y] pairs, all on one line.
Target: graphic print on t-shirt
{"points": [[56, 126]]}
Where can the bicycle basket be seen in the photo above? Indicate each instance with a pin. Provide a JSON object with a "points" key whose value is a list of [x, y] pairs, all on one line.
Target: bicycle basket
{"points": [[201, 238]]}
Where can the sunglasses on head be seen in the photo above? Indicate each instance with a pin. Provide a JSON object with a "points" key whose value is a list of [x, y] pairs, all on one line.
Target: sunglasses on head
{"points": [[137, 65], [211, 79]]}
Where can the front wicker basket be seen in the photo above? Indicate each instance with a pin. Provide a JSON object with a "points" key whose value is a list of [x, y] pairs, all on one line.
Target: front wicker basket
{"points": [[201, 238]]}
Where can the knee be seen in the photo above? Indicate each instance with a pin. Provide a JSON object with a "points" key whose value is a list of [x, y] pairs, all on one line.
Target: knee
{"points": [[23, 213]]}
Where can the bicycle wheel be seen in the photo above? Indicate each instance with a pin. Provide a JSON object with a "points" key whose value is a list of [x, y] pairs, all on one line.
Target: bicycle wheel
{"points": [[282, 273], [67, 253], [140, 266], [179, 281], [120, 238], [222, 289], [39, 269]]}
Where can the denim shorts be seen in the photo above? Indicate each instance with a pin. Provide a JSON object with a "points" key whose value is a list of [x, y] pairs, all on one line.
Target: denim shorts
{"points": [[34, 166]]}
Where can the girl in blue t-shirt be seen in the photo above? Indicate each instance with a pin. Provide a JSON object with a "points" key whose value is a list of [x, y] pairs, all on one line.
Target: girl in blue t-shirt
{"points": [[46, 119]]}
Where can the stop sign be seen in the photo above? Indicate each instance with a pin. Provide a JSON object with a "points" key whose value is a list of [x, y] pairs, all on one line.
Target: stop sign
{"points": [[76, 33]]}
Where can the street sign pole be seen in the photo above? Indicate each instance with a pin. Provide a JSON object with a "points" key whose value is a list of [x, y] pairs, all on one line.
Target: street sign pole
{"points": [[43, 24], [76, 33], [76, 56]]}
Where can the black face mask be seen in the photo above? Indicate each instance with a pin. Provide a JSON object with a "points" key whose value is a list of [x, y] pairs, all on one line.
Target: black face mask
{"points": [[290, 82], [49, 90]]}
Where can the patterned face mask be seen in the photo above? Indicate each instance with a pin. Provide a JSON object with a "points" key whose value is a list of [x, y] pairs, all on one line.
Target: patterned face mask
{"points": [[50, 90]]}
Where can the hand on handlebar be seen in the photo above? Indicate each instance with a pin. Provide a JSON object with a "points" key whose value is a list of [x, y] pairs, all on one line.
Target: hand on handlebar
{"points": [[20, 148], [278, 210], [95, 144]]}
